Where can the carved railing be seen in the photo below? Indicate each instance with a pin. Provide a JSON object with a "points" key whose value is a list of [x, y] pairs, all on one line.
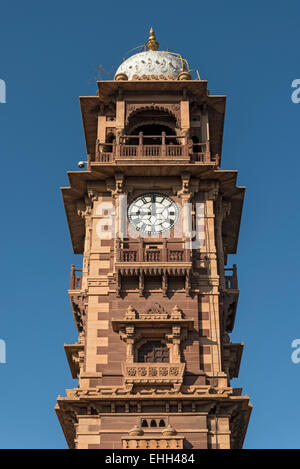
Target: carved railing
{"points": [[105, 153], [164, 146], [75, 280], [128, 151], [153, 442], [200, 153], [176, 150], [154, 255], [128, 255], [151, 150], [231, 281], [105, 157], [176, 255]]}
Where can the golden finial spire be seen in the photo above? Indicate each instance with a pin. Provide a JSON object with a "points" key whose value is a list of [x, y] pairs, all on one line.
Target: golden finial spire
{"points": [[152, 43]]}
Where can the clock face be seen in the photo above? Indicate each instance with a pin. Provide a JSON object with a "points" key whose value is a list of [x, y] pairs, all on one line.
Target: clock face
{"points": [[153, 213]]}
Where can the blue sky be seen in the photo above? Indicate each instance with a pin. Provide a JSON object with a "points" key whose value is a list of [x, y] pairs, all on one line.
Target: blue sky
{"points": [[49, 54]]}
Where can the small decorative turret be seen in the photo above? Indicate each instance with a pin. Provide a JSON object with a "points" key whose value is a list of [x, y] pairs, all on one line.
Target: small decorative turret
{"points": [[136, 431]]}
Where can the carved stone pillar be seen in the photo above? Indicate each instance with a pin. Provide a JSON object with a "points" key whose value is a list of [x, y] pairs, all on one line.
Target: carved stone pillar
{"points": [[164, 283], [84, 209], [219, 242], [141, 283], [222, 210], [205, 131]]}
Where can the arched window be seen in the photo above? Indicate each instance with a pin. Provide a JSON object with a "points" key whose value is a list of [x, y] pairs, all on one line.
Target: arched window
{"points": [[153, 352], [152, 123], [144, 423], [153, 423], [162, 423]]}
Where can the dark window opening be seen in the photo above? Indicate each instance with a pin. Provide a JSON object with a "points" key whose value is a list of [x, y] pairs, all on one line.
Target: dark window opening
{"points": [[130, 283], [152, 282], [152, 123], [153, 352]]}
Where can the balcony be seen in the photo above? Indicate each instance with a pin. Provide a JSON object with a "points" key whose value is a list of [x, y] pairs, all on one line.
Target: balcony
{"points": [[153, 258], [230, 297], [162, 260], [75, 280], [164, 148], [77, 298], [75, 355], [231, 281], [232, 354], [158, 374]]}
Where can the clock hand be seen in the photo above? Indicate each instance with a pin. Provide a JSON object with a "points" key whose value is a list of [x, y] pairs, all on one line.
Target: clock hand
{"points": [[153, 205], [143, 213]]}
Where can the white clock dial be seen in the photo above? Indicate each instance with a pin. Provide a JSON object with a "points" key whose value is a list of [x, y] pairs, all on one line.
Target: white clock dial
{"points": [[153, 213]]}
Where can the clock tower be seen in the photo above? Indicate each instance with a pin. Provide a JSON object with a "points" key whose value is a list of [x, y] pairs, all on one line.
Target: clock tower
{"points": [[155, 218]]}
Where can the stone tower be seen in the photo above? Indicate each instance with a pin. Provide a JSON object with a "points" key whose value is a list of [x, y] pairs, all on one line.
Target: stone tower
{"points": [[155, 218]]}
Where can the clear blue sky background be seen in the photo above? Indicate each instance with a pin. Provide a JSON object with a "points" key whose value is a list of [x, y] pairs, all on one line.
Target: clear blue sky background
{"points": [[49, 54]]}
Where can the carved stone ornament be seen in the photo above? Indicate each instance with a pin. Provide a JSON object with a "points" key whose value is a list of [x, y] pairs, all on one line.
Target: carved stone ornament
{"points": [[156, 308], [171, 108], [136, 431], [185, 76], [185, 185], [131, 313], [169, 431], [116, 185], [121, 77], [84, 207], [176, 313], [154, 312], [97, 282], [93, 195], [153, 77], [153, 374], [151, 63]]}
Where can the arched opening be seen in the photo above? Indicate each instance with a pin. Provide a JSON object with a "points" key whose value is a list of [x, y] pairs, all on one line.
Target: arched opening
{"points": [[153, 134], [144, 423], [153, 423], [153, 123], [162, 423], [153, 352]]}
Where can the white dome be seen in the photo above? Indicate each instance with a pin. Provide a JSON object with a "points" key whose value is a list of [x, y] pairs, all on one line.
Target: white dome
{"points": [[152, 62]]}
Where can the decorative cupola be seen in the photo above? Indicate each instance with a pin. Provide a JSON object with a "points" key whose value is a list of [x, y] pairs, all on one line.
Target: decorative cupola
{"points": [[152, 64]]}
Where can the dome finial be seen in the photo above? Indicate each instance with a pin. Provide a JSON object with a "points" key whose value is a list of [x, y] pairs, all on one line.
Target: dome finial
{"points": [[152, 43]]}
